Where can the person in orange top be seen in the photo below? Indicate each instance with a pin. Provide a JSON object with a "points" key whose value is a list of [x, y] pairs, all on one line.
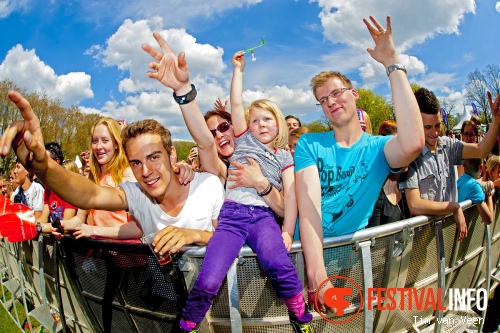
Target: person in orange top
{"points": [[108, 167]]}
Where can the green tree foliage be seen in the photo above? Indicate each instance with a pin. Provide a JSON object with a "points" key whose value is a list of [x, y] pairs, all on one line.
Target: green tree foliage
{"points": [[479, 83], [183, 148], [67, 126], [318, 126], [376, 106]]}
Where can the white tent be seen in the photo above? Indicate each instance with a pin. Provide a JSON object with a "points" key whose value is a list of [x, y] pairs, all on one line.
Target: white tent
{"points": [[463, 116]]}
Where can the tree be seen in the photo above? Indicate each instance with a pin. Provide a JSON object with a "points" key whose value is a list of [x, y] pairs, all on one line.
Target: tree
{"points": [[183, 148], [376, 106], [449, 106], [318, 126], [67, 126], [480, 82]]}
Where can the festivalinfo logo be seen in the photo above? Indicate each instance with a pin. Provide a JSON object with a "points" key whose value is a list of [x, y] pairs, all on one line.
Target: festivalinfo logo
{"points": [[345, 297]]}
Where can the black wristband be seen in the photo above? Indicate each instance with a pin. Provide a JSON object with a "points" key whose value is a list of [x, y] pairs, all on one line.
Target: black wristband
{"points": [[185, 99], [266, 191]]}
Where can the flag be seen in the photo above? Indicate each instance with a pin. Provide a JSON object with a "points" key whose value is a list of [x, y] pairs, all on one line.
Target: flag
{"points": [[474, 109], [445, 117]]}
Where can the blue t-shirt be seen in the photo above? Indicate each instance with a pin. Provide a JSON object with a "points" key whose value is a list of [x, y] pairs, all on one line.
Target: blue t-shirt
{"points": [[469, 189], [350, 178]]}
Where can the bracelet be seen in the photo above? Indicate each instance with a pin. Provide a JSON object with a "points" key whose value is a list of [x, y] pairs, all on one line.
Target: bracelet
{"points": [[311, 291], [187, 98], [266, 191]]}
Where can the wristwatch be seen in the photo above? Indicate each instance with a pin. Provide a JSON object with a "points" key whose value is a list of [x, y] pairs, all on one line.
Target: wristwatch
{"points": [[395, 67], [38, 227], [189, 97]]}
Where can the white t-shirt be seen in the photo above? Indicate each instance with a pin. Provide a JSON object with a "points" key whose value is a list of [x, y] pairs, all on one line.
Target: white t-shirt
{"points": [[203, 204], [34, 196]]}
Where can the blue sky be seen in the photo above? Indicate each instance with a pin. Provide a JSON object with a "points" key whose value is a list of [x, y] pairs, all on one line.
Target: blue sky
{"points": [[88, 52]]}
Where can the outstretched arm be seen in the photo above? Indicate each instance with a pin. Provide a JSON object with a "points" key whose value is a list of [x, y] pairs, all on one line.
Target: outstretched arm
{"points": [[25, 137], [409, 142], [236, 95], [483, 148], [131, 230], [172, 71]]}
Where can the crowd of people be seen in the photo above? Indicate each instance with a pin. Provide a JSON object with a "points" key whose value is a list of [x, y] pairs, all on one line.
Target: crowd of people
{"points": [[257, 177]]}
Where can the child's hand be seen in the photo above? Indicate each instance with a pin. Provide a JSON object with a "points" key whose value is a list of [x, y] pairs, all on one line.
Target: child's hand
{"points": [[287, 239], [238, 60]]}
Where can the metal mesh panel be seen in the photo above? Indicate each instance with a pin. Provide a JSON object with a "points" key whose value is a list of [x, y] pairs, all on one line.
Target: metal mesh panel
{"points": [[495, 230], [257, 298], [475, 234], [119, 323], [122, 284], [403, 320], [462, 277], [423, 260], [284, 328], [151, 325]]}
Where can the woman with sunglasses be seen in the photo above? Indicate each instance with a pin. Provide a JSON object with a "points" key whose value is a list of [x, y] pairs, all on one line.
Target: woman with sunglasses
{"points": [[219, 123]]}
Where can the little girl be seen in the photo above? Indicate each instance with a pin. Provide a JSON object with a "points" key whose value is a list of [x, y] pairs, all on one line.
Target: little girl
{"points": [[261, 134]]}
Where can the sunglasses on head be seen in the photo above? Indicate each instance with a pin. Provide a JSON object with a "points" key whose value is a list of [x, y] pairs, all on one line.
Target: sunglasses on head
{"points": [[222, 127]]}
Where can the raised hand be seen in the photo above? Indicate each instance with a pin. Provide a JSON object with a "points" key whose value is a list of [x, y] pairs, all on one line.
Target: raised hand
{"points": [[384, 51], [238, 60], [25, 137], [218, 105], [171, 70], [494, 106]]}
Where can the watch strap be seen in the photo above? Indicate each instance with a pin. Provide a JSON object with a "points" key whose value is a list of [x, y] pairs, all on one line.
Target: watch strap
{"points": [[395, 67], [187, 98]]}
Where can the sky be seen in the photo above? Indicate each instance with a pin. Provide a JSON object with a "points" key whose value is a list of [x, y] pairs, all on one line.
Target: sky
{"points": [[88, 52]]}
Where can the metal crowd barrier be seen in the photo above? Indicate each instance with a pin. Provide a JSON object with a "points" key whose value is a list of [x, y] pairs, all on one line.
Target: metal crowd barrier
{"points": [[102, 286]]}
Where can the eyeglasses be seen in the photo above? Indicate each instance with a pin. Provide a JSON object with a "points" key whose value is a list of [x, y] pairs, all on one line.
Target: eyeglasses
{"points": [[468, 134], [222, 127], [333, 95]]}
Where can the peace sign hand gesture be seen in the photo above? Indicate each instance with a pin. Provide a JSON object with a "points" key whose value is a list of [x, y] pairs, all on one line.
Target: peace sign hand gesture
{"points": [[172, 71]]}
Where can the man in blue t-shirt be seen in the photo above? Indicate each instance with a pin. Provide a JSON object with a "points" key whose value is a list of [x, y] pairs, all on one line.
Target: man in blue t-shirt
{"points": [[339, 174]]}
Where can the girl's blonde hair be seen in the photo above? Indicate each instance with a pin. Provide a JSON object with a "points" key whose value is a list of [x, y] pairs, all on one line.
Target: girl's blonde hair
{"points": [[281, 140], [118, 162], [71, 166], [492, 163]]}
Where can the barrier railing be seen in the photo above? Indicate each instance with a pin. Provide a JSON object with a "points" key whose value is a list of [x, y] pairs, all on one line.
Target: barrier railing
{"points": [[102, 286]]}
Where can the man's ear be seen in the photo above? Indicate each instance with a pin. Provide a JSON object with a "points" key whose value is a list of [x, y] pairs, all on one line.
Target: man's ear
{"points": [[355, 94], [173, 155]]}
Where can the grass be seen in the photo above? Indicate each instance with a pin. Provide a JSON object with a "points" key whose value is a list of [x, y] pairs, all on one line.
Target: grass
{"points": [[7, 324]]}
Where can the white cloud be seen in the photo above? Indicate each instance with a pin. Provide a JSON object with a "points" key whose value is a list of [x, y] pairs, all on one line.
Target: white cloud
{"points": [[438, 81], [123, 50], [412, 22], [497, 6], [26, 69], [9, 6]]}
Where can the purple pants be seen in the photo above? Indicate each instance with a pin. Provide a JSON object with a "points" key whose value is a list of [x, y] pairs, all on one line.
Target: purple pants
{"points": [[238, 225]]}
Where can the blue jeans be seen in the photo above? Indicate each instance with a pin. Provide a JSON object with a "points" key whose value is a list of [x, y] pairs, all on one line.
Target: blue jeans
{"points": [[238, 225]]}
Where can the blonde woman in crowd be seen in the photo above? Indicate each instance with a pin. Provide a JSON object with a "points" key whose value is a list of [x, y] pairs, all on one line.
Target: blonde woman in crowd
{"points": [[108, 167]]}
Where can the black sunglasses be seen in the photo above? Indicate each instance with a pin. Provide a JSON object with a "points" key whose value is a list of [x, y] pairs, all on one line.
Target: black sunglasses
{"points": [[222, 127]]}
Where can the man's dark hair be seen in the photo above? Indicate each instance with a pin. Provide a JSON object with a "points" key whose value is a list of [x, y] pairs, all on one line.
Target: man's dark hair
{"points": [[55, 151], [293, 117], [427, 101]]}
